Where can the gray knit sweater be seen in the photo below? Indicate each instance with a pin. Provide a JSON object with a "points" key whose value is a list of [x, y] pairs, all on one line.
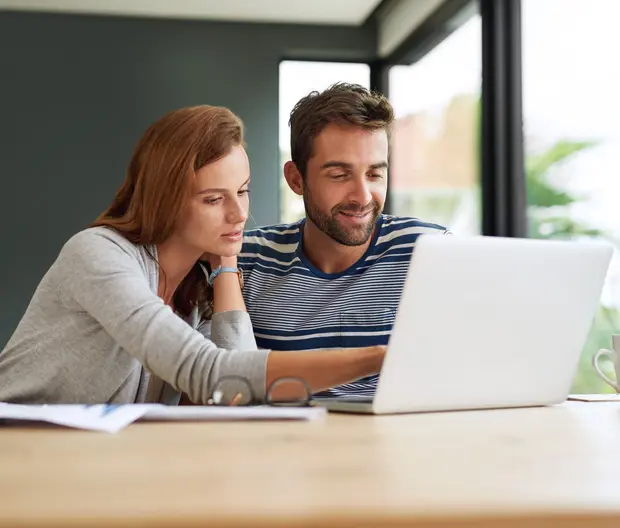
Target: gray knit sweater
{"points": [[96, 332]]}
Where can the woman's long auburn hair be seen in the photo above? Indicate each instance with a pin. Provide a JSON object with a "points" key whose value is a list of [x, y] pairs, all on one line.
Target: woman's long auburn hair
{"points": [[159, 183]]}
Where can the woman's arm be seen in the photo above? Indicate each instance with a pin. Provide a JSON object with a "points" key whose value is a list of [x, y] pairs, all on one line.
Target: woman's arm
{"points": [[230, 325], [322, 369], [226, 286], [231, 329], [100, 273]]}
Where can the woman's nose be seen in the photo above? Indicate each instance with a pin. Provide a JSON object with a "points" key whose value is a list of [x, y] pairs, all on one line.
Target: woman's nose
{"points": [[237, 213]]}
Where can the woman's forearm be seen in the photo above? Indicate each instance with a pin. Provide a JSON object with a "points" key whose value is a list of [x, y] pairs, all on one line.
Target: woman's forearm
{"points": [[322, 369], [227, 294]]}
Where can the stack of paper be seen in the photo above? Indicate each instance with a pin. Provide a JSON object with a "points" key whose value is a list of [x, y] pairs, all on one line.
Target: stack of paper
{"points": [[113, 418]]}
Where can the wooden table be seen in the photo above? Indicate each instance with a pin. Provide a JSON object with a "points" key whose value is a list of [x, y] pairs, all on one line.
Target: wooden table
{"points": [[555, 466]]}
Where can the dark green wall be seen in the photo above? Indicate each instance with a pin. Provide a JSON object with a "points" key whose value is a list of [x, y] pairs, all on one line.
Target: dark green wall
{"points": [[76, 92]]}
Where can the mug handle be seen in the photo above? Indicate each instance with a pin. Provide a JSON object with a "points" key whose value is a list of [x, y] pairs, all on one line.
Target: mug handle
{"points": [[603, 352]]}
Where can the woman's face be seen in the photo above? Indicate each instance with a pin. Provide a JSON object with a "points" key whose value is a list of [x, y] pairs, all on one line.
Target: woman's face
{"points": [[217, 211]]}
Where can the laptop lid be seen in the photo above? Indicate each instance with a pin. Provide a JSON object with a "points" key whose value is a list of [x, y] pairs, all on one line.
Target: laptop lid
{"points": [[490, 322]]}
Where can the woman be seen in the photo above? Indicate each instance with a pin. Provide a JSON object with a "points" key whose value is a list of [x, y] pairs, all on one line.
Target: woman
{"points": [[127, 313]]}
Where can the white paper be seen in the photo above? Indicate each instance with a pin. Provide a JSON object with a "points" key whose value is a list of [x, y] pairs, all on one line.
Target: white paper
{"points": [[205, 413], [113, 418], [106, 418]]}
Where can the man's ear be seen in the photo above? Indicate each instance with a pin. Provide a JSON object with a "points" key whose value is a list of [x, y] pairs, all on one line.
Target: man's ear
{"points": [[294, 178]]}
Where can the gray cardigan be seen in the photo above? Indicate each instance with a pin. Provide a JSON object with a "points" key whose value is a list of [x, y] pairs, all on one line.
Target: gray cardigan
{"points": [[96, 332]]}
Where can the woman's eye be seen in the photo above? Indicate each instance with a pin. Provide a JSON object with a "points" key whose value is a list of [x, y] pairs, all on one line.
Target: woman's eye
{"points": [[213, 201], [243, 192]]}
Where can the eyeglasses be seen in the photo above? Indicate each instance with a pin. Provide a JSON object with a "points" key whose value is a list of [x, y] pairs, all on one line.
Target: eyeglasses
{"points": [[283, 392]]}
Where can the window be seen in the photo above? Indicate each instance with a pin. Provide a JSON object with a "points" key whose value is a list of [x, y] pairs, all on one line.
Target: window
{"points": [[298, 79], [571, 82], [434, 167]]}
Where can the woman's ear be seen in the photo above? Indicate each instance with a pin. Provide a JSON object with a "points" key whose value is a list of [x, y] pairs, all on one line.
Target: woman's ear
{"points": [[294, 178]]}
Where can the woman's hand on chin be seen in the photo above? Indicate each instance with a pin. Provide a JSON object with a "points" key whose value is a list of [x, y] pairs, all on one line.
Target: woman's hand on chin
{"points": [[218, 260]]}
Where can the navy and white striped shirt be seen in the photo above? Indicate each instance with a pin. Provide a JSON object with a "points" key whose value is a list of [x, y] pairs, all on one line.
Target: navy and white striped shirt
{"points": [[295, 306]]}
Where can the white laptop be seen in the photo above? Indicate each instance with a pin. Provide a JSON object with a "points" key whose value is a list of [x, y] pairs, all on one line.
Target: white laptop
{"points": [[487, 322]]}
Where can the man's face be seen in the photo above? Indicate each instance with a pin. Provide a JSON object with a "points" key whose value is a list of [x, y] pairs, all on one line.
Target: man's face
{"points": [[346, 182]]}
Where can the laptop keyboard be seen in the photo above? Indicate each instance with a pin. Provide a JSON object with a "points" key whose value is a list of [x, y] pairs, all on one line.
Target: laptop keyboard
{"points": [[349, 398]]}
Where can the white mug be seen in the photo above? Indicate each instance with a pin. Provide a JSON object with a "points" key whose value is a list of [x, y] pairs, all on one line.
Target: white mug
{"points": [[614, 356]]}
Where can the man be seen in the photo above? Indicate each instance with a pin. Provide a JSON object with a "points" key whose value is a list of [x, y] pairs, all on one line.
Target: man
{"points": [[333, 279]]}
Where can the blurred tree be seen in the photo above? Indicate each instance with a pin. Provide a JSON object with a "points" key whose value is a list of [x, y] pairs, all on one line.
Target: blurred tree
{"points": [[547, 202], [549, 218]]}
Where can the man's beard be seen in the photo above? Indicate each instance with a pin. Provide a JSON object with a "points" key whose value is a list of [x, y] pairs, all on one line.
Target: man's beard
{"points": [[329, 224]]}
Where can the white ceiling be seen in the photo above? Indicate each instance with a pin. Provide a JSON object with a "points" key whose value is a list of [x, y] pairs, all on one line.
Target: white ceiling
{"points": [[400, 20], [345, 12]]}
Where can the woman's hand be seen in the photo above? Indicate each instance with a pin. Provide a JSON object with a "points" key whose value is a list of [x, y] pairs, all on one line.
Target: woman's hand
{"points": [[218, 260]]}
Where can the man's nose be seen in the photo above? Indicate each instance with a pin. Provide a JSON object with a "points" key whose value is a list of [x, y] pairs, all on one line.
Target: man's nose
{"points": [[360, 192]]}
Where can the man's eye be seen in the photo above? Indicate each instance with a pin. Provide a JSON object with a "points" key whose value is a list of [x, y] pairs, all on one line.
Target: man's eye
{"points": [[375, 176], [338, 176]]}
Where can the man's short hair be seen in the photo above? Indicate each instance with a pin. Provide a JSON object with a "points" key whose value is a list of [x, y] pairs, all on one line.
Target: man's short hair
{"points": [[342, 104]]}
